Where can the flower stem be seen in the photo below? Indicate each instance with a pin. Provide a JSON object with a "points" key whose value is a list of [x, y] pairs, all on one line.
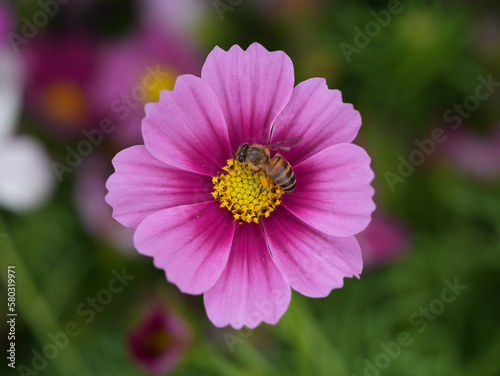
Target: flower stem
{"points": [[315, 353]]}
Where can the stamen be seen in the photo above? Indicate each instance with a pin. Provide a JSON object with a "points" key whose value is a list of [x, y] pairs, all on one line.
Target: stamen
{"points": [[239, 190]]}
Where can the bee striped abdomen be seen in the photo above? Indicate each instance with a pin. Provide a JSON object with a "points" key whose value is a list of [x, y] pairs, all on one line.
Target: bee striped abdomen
{"points": [[277, 168], [281, 172]]}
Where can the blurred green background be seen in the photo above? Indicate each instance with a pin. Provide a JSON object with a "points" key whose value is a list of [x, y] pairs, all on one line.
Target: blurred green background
{"points": [[406, 66]]}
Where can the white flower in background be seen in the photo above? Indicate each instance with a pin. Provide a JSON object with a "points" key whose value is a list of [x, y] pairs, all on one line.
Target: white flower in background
{"points": [[179, 18], [26, 179]]}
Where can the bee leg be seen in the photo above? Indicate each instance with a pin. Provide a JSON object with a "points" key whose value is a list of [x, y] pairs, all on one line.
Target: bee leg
{"points": [[264, 182], [234, 165]]}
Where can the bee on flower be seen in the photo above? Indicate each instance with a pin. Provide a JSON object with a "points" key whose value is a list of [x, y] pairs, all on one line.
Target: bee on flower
{"points": [[224, 226]]}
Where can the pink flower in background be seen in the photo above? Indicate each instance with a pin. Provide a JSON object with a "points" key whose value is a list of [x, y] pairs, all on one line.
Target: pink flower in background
{"points": [[6, 23], [246, 248], [474, 154], [160, 341], [384, 240], [132, 72], [91, 176], [59, 70]]}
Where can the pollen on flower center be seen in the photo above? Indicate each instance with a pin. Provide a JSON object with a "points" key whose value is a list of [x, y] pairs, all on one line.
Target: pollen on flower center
{"points": [[239, 190]]}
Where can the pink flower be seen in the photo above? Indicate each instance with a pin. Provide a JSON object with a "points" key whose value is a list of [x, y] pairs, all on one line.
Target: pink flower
{"points": [[304, 239], [59, 69], [160, 341], [384, 240], [474, 154], [130, 73], [6, 23], [95, 215]]}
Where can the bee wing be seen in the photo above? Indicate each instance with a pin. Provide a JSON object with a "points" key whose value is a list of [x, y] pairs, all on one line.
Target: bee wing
{"points": [[285, 144]]}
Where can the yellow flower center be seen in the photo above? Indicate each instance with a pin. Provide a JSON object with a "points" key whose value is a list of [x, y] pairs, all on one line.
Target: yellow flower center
{"points": [[165, 81], [64, 102], [239, 190]]}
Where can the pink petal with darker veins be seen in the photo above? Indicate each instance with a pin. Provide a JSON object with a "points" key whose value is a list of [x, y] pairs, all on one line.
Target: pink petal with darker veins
{"points": [[313, 262], [186, 128], [143, 185], [191, 243], [333, 191], [251, 288], [319, 117], [252, 86]]}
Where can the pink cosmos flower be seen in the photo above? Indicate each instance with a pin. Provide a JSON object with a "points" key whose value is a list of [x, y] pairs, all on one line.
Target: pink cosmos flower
{"points": [[130, 73], [6, 22], [244, 250], [95, 215], [59, 70], [474, 154], [384, 240]]}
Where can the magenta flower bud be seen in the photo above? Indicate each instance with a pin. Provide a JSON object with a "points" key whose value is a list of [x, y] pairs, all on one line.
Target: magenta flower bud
{"points": [[159, 342]]}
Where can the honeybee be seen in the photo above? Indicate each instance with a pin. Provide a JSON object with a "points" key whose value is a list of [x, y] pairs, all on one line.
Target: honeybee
{"points": [[277, 168]]}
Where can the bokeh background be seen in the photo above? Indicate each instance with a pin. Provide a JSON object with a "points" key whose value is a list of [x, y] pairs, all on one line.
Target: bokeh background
{"points": [[72, 95]]}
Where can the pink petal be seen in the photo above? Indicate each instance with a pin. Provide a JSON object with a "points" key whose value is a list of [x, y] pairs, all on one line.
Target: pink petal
{"points": [[186, 128], [319, 116], [191, 243], [253, 86], [313, 262], [333, 191], [143, 185], [251, 288]]}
